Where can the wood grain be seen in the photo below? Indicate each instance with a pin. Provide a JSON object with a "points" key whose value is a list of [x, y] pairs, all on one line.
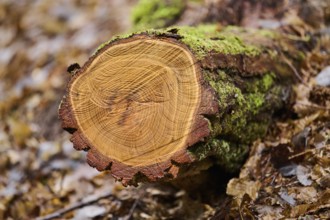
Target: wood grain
{"points": [[136, 101]]}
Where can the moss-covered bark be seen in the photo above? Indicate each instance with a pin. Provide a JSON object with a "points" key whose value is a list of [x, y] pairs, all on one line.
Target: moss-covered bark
{"points": [[250, 74], [246, 69]]}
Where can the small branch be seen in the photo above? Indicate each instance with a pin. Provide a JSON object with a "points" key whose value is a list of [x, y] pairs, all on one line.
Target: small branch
{"points": [[131, 211], [309, 151], [313, 105], [294, 70], [77, 205]]}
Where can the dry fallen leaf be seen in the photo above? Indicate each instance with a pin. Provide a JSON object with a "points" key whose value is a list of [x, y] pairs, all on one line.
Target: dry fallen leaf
{"points": [[239, 187]]}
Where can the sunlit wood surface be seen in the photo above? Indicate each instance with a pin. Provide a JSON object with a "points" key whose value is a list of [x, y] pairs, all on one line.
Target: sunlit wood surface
{"points": [[136, 101]]}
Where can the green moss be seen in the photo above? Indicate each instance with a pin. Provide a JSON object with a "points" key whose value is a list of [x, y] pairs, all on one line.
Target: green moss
{"points": [[240, 105], [156, 13], [301, 56], [260, 84], [255, 33], [227, 92], [257, 129], [240, 120], [267, 82], [123, 36], [255, 101], [206, 38], [230, 156], [266, 33]]}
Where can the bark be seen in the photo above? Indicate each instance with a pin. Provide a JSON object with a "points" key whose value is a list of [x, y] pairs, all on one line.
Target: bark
{"points": [[243, 77]]}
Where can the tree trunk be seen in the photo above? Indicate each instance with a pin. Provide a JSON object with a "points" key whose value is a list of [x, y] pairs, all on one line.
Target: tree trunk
{"points": [[154, 104]]}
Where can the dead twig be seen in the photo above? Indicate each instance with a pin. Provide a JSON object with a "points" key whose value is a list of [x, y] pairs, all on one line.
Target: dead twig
{"points": [[77, 205], [309, 151], [131, 211], [295, 71], [313, 105]]}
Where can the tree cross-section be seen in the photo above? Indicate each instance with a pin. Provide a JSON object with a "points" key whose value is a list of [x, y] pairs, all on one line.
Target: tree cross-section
{"points": [[148, 104]]}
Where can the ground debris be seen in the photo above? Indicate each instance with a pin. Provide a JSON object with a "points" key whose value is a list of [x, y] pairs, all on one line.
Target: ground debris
{"points": [[293, 171], [292, 162]]}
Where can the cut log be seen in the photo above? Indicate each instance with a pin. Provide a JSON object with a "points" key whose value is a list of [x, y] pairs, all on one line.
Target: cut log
{"points": [[150, 105]]}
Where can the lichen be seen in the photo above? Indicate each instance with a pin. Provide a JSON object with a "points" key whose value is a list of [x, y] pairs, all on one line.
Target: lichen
{"points": [[156, 13]]}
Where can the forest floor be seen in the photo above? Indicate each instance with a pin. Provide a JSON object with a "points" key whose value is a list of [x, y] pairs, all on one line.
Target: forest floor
{"points": [[287, 174]]}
